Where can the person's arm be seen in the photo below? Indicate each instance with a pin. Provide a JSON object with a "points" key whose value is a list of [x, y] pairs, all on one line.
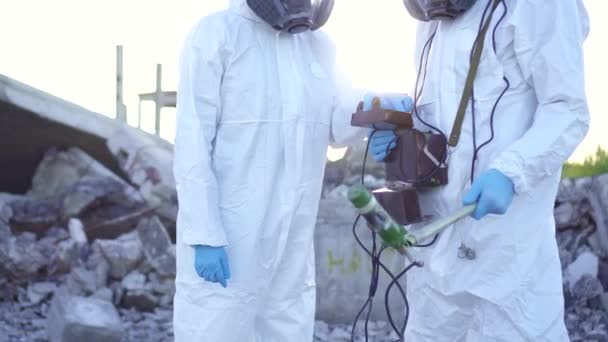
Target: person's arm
{"points": [[198, 109], [549, 39], [345, 104], [345, 98]]}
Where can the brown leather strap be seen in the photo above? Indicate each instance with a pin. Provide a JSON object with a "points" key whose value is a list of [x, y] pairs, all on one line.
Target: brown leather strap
{"points": [[468, 87]]}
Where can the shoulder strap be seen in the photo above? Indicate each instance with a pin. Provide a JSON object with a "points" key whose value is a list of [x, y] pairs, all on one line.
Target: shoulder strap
{"points": [[468, 87]]}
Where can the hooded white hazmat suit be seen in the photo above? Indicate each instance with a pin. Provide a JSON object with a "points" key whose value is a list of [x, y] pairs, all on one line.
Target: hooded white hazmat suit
{"points": [[256, 112], [512, 290]]}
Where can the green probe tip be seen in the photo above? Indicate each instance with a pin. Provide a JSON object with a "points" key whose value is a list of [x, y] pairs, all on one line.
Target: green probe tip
{"points": [[359, 196]]}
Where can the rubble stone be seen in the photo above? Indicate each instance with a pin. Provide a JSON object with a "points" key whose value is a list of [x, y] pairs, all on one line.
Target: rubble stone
{"points": [[86, 191], [586, 263], [59, 170], [123, 254], [20, 258], [587, 287], [34, 215], [134, 281], [148, 165], [104, 294], [77, 319], [40, 291], [158, 249], [140, 300], [67, 255], [76, 229], [82, 281]]}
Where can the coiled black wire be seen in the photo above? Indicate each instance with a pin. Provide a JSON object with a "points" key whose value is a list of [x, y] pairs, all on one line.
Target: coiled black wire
{"points": [[377, 264]]}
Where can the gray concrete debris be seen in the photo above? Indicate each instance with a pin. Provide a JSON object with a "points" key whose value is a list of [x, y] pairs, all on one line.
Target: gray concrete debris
{"points": [[587, 287], [90, 190], [148, 165], [59, 170], [20, 257], [38, 292], [34, 215], [77, 319], [140, 299], [77, 233], [67, 255], [586, 263], [134, 281], [123, 254], [158, 249], [82, 281], [105, 294]]}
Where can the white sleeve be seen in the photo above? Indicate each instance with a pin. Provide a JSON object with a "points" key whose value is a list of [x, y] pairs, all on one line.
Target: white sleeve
{"points": [[198, 108], [548, 43]]}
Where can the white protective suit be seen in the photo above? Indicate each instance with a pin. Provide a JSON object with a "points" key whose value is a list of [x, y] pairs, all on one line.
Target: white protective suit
{"points": [[512, 290], [256, 112]]}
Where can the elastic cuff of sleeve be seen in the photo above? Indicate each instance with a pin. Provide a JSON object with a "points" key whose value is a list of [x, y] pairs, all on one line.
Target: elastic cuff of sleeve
{"points": [[513, 168], [192, 238]]}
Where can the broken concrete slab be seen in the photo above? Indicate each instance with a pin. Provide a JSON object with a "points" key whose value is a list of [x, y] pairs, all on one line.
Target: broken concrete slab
{"points": [[158, 249], [59, 170], [122, 254], [77, 319], [109, 221], [148, 163], [86, 191]]}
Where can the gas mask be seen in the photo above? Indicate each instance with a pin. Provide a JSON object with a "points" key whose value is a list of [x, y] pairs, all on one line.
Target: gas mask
{"points": [[293, 16], [426, 10]]}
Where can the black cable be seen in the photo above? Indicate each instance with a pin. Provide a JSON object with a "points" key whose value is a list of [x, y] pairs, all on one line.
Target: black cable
{"points": [[407, 306], [476, 148], [376, 265]]}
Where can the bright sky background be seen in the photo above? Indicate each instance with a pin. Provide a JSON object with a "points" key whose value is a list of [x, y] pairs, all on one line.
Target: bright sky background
{"points": [[67, 48]]}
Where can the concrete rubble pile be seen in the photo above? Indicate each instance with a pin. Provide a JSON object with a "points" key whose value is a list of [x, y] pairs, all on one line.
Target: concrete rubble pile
{"points": [[87, 254], [581, 215]]}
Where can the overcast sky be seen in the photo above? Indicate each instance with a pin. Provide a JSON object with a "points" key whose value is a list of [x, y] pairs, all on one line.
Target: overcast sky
{"points": [[67, 48]]}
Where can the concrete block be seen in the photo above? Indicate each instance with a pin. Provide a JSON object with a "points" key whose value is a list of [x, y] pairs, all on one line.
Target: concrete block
{"points": [[157, 245], [123, 254], [78, 319], [586, 263], [343, 269]]}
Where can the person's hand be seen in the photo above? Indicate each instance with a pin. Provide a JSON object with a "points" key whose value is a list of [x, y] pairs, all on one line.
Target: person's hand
{"points": [[381, 142], [492, 191], [211, 264]]}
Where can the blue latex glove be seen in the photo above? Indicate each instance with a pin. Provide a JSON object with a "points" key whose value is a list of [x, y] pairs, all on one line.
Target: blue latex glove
{"points": [[493, 193], [383, 141], [211, 264]]}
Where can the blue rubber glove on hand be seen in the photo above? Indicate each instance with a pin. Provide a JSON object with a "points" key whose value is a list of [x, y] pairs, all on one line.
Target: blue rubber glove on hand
{"points": [[492, 191], [383, 141], [211, 264]]}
